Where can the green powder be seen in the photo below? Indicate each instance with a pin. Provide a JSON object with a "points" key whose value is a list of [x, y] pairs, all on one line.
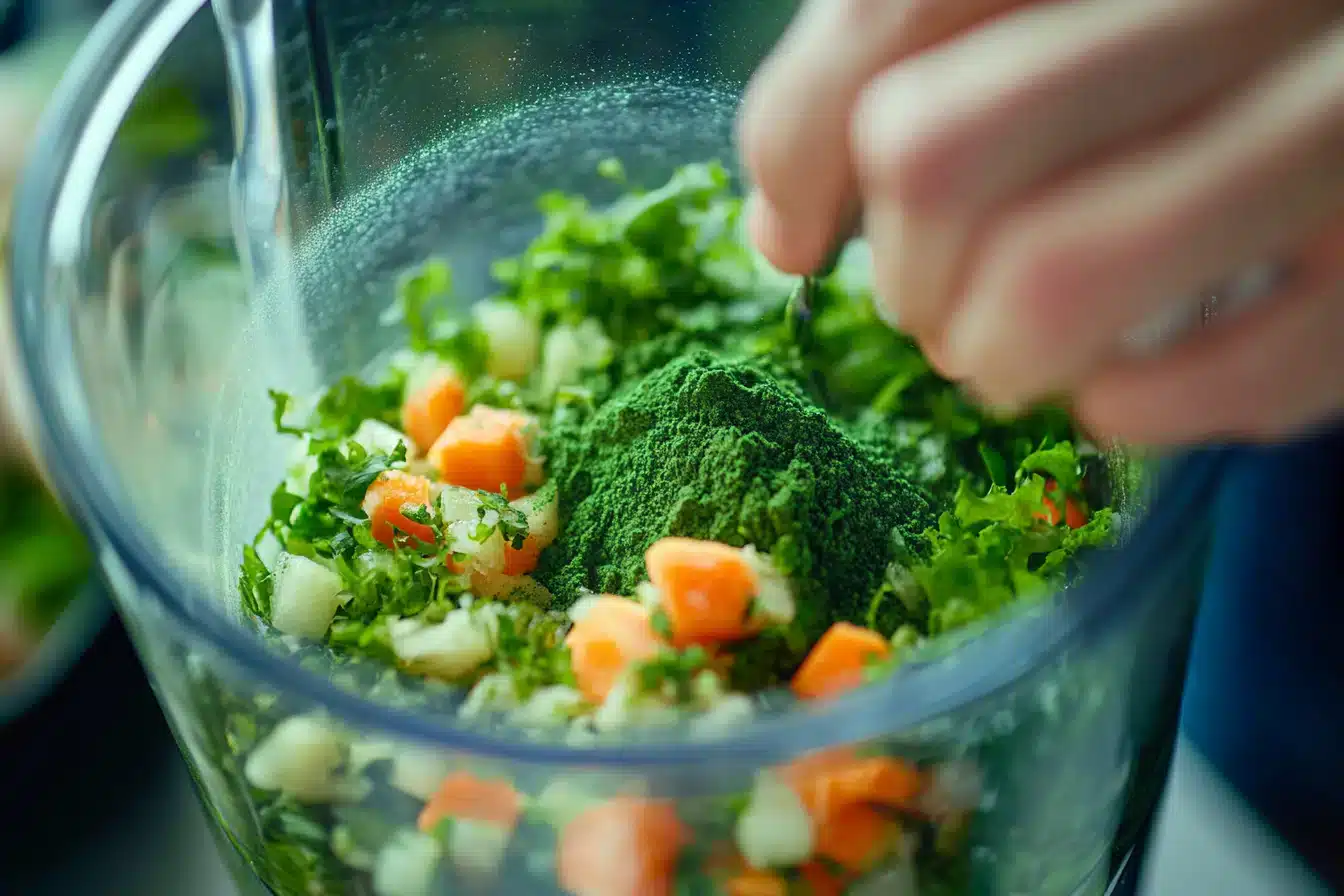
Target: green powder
{"points": [[721, 449]]}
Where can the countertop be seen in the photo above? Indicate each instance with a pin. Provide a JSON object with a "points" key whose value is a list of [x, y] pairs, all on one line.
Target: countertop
{"points": [[1207, 843]]}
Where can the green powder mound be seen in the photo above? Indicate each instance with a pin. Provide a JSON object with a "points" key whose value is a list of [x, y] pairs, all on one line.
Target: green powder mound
{"points": [[713, 448]]}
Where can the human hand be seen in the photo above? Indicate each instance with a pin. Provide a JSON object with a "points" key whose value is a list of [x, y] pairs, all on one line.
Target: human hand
{"points": [[1037, 179]]}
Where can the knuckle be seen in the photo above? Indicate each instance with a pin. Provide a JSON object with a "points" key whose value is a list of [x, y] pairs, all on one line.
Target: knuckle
{"points": [[763, 136], [1043, 276], [910, 156], [782, 138]]}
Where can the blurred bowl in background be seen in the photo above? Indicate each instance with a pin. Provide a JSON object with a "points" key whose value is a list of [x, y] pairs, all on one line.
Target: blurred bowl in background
{"points": [[79, 728]]}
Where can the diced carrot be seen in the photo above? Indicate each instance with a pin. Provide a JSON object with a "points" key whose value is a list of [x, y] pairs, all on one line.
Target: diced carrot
{"points": [[723, 861], [1075, 514], [543, 525], [856, 838], [485, 449], [521, 561], [835, 782], [820, 880], [431, 405], [816, 765], [383, 503], [757, 883], [623, 847], [706, 589], [463, 795], [613, 633], [836, 662]]}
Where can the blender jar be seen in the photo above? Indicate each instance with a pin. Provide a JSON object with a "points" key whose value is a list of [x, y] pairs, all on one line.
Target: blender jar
{"points": [[151, 329]]}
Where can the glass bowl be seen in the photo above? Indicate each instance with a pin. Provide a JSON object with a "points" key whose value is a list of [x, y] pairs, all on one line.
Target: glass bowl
{"points": [[419, 128]]}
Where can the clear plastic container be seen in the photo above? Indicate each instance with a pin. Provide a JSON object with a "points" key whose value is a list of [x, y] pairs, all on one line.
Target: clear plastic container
{"points": [[417, 128]]}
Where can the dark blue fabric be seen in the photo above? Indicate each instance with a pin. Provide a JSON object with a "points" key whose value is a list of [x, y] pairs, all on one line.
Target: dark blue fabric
{"points": [[1265, 701]]}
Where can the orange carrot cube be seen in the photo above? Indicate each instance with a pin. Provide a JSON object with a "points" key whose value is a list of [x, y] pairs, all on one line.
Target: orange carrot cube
{"points": [[757, 883], [463, 795], [612, 634], [836, 662], [705, 587], [623, 847], [486, 449], [431, 404], [383, 503]]}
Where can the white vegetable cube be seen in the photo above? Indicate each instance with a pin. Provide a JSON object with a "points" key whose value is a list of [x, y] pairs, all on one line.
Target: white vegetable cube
{"points": [[302, 466], [301, 757], [570, 350], [562, 800], [481, 556], [366, 751], [727, 715], [345, 847], [542, 512], [493, 693], [406, 865], [707, 687], [549, 707], [626, 708], [305, 597], [774, 831], [513, 338], [458, 645], [418, 771], [774, 601], [376, 437], [457, 504], [477, 847]]}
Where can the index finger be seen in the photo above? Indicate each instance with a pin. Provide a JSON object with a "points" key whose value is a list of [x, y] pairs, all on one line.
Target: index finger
{"points": [[794, 123]]}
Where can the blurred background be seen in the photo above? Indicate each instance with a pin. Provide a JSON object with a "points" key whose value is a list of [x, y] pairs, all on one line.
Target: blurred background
{"points": [[96, 799]]}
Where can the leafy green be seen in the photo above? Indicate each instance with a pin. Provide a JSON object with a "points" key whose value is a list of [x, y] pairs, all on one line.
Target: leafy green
{"points": [[992, 550], [672, 673], [255, 584], [529, 648], [637, 264]]}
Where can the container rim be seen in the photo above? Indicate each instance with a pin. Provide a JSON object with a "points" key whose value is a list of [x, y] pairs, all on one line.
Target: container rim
{"points": [[76, 131]]}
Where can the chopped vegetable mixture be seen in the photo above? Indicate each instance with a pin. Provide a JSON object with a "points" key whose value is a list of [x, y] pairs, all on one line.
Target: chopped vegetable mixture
{"points": [[630, 492]]}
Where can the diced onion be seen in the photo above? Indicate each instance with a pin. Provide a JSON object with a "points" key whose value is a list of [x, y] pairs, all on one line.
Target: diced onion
{"points": [[458, 645], [300, 757], [774, 831], [513, 339], [305, 597], [774, 601], [376, 437], [406, 865], [418, 771], [477, 847], [570, 350]]}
